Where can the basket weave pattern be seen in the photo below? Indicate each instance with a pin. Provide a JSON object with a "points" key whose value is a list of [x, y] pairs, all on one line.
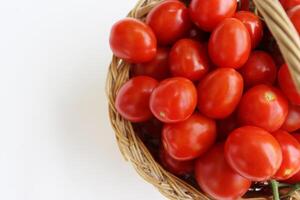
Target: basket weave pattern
{"points": [[133, 148]]}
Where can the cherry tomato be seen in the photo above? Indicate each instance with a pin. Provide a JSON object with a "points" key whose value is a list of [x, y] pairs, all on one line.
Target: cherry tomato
{"points": [[133, 41], [157, 68], [226, 126], [229, 44], [290, 155], [189, 59], [132, 100], [220, 92], [294, 15], [296, 178], [216, 178], [292, 122], [253, 153], [208, 14], [176, 167], [259, 69], [263, 106], [169, 20], [287, 85], [189, 139], [174, 100], [253, 24], [288, 4]]}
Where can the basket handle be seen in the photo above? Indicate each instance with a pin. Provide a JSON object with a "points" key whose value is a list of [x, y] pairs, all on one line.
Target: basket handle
{"points": [[284, 33]]}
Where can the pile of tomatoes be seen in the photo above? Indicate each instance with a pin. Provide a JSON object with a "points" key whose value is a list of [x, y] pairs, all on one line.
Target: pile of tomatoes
{"points": [[210, 89]]}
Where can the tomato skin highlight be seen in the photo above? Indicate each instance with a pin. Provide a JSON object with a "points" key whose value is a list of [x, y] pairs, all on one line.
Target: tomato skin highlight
{"points": [[169, 20], [176, 167], [288, 4], [220, 92], [263, 106], [189, 139], [290, 155], [208, 14], [157, 68], [253, 24], [259, 69], [216, 178], [253, 153], [230, 44], [287, 85], [189, 59], [173, 100], [292, 122], [133, 41], [294, 15], [132, 100], [296, 178]]}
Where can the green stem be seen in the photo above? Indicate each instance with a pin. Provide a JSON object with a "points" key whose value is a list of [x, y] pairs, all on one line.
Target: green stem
{"points": [[275, 190], [285, 185]]}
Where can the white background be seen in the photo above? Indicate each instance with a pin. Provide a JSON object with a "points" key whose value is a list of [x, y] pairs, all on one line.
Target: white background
{"points": [[56, 142]]}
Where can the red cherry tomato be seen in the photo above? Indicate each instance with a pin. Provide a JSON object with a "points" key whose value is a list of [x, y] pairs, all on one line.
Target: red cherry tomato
{"points": [[292, 122], [189, 139], [169, 20], [253, 153], [259, 69], [263, 106], [253, 24], [287, 85], [157, 68], [208, 14], [174, 100], [294, 15], [296, 178], [220, 92], [290, 155], [226, 126], [229, 44], [288, 4], [189, 59], [175, 166], [132, 100], [216, 178], [133, 41]]}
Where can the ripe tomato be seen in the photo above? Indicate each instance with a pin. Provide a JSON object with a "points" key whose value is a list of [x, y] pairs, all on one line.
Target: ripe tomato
{"points": [[157, 68], [294, 15], [288, 4], [173, 100], [132, 100], [253, 24], [176, 167], [253, 153], [287, 85], [208, 14], [263, 106], [229, 44], [244, 5], [259, 69], [296, 178], [292, 122], [290, 155], [189, 59], [220, 92], [216, 178], [226, 126], [133, 41], [169, 20], [189, 139]]}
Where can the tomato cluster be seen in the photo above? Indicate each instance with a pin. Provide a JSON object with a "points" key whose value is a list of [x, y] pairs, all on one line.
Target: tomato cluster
{"points": [[207, 87]]}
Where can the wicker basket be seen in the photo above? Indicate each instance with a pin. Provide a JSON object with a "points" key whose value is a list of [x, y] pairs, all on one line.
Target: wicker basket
{"points": [[133, 148]]}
